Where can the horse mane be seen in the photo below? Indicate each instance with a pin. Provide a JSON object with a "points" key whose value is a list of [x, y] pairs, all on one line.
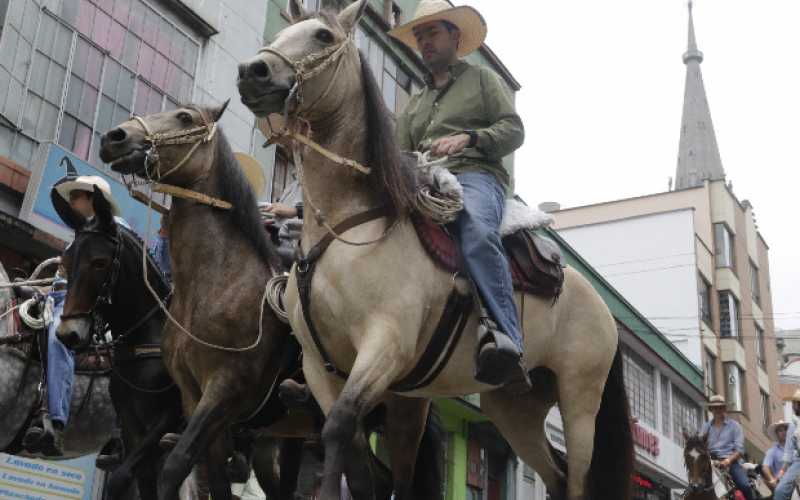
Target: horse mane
{"points": [[234, 186], [391, 172]]}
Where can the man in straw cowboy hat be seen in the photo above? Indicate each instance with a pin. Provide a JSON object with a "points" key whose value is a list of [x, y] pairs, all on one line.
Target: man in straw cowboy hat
{"points": [[791, 455], [726, 443], [773, 460], [467, 113], [72, 198]]}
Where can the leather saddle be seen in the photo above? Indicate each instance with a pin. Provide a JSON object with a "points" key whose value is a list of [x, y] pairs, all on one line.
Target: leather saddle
{"points": [[537, 264]]}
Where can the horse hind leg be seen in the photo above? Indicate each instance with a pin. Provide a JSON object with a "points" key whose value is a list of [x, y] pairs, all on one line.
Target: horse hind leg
{"points": [[521, 420], [406, 419]]}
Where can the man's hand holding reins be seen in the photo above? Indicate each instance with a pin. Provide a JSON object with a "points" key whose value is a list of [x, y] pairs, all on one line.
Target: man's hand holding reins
{"points": [[450, 145]]}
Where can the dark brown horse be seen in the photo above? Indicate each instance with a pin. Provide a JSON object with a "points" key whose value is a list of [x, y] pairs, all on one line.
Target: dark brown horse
{"points": [[697, 459], [104, 265]]}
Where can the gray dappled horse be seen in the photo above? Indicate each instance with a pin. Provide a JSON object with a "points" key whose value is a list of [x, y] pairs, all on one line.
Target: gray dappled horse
{"points": [[92, 419]]}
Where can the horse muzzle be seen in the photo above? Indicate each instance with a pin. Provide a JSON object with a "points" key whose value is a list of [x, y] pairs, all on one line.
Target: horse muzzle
{"points": [[74, 332], [260, 88]]}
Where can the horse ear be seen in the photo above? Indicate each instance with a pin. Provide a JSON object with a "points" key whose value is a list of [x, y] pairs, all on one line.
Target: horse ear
{"points": [[216, 112], [705, 438], [296, 10], [684, 434], [102, 208], [350, 16]]}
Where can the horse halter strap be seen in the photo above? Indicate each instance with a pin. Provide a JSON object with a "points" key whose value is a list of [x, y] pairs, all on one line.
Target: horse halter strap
{"points": [[196, 136], [106, 289], [305, 69]]}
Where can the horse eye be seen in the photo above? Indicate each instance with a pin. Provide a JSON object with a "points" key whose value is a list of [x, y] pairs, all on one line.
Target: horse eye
{"points": [[185, 118], [324, 36]]}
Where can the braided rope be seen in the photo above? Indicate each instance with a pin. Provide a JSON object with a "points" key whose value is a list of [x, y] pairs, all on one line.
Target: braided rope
{"points": [[276, 287]]}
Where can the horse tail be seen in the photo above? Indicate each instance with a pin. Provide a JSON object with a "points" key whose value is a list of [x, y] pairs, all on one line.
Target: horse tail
{"points": [[427, 482], [613, 458]]}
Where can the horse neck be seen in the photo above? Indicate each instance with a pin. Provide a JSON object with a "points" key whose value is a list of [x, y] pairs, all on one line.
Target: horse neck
{"points": [[129, 307], [196, 232], [338, 191]]}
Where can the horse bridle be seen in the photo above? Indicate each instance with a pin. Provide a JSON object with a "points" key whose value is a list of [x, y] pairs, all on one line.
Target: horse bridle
{"points": [[106, 289], [104, 298], [196, 136]]}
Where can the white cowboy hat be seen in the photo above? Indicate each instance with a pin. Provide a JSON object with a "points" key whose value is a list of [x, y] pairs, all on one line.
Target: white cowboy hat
{"points": [[772, 430], [253, 172], [468, 20], [87, 183], [716, 401], [794, 397]]}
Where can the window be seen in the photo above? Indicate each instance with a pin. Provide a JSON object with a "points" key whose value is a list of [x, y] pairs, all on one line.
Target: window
{"points": [[641, 387], [120, 57], [734, 387], [395, 82], [311, 5], [685, 415], [728, 315], [755, 285], [760, 352], [723, 246], [765, 413], [666, 407], [704, 299], [710, 373]]}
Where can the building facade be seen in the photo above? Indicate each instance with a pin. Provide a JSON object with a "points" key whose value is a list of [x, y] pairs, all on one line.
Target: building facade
{"points": [[72, 69], [694, 262]]}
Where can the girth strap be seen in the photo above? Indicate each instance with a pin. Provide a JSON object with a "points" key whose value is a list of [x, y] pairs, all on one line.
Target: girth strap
{"points": [[443, 342], [306, 265]]}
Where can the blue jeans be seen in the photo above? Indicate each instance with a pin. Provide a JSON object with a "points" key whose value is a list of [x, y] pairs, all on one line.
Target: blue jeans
{"points": [[739, 476], [786, 485], [60, 366], [477, 232]]}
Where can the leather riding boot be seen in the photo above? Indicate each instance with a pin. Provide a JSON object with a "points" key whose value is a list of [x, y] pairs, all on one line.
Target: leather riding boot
{"points": [[499, 361], [52, 442]]}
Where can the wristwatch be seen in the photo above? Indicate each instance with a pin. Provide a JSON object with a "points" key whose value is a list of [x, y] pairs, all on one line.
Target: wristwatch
{"points": [[473, 138]]}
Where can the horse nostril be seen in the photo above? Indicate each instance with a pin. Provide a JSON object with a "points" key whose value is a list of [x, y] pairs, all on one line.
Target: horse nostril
{"points": [[259, 69], [116, 135]]}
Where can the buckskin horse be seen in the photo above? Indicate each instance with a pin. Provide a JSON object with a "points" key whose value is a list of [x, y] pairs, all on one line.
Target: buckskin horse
{"points": [[224, 347], [376, 296]]}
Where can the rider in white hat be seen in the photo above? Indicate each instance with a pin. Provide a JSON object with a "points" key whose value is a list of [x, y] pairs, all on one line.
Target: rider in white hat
{"points": [[72, 198], [467, 113], [726, 443], [791, 455]]}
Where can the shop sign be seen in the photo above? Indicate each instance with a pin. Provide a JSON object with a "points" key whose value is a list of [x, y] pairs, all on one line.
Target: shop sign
{"points": [[51, 163], [30, 479], [645, 439]]}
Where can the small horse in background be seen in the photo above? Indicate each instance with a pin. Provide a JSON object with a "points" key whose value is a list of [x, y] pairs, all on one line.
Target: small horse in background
{"points": [[697, 459]]}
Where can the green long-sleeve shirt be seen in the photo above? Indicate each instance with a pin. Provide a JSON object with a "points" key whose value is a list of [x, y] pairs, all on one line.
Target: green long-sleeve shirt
{"points": [[474, 99]]}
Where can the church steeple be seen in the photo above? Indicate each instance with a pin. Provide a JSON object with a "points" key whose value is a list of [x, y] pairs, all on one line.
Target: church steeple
{"points": [[698, 153]]}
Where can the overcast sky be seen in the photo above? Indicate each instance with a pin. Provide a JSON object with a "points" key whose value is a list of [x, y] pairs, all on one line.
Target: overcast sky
{"points": [[602, 94]]}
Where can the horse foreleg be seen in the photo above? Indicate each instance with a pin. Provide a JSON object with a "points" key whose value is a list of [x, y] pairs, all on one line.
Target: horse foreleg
{"points": [[137, 450], [219, 484], [207, 421], [405, 424], [376, 366]]}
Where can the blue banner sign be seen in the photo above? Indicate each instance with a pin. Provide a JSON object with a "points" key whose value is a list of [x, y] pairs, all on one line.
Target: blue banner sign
{"points": [[51, 165], [30, 479]]}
